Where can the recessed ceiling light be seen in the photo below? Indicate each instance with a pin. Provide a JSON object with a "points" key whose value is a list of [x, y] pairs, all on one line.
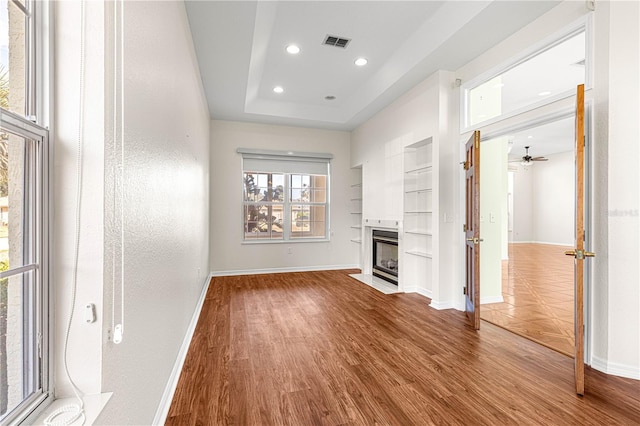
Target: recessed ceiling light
{"points": [[293, 49], [545, 93], [529, 137], [330, 98], [361, 62], [278, 89]]}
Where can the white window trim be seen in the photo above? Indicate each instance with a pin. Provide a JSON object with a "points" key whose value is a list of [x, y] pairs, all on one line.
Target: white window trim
{"points": [[583, 24], [37, 402], [293, 155]]}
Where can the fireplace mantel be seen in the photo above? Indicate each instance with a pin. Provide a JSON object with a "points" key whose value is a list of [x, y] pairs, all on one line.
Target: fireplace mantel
{"points": [[382, 223]]}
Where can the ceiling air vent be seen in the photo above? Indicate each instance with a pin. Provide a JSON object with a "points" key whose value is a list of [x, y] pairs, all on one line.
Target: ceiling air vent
{"points": [[336, 41]]}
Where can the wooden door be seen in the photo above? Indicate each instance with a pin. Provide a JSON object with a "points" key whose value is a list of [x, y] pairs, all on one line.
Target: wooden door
{"points": [[472, 229], [579, 252]]}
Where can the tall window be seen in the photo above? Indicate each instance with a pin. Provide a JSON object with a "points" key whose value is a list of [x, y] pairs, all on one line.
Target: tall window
{"points": [[24, 280], [285, 196]]}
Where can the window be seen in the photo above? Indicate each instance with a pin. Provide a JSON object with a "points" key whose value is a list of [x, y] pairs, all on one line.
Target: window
{"points": [[17, 36], [549, 74], [285, 196], [23, 266], [25, 377]]}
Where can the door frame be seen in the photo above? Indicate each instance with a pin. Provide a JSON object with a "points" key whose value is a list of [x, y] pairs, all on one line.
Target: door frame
{"points": [[519, 123]]}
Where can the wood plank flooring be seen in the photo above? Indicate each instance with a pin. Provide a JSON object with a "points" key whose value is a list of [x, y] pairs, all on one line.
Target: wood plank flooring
{"points": [[537, 287], [321, 348]]}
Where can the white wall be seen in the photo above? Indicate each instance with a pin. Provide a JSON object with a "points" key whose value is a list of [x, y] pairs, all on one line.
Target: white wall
{"points": [[493, 217], [554, 199], [228, 254], [166, 191], [166, 202], [617, 245], [523, 205], [544, 200], [85, 342]]}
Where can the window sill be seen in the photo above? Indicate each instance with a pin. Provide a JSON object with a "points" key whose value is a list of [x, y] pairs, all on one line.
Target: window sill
{"points": [[93, 406], [296, 241]]}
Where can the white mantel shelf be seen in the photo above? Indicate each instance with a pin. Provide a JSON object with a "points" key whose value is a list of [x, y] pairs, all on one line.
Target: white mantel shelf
{"points": [[382, 223]]}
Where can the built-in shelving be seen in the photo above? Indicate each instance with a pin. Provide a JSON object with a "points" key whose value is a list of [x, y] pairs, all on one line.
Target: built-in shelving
{"points": [[355, 210], [418, 215]]}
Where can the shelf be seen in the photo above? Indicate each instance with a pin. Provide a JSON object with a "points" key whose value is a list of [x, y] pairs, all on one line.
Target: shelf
{"points": [[419, 212], [355, 213], [419, 253], [418, 170], [356, 199], [418, 232], [356, 241], [356, 227], [356, 185], [418, 191]]}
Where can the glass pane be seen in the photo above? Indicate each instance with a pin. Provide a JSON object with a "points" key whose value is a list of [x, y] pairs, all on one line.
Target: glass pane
{"points": [[12, 192], [263, 221], [555, 71], [308, 188], [263, 187], [12, 57], [308, 221], [18, 380]]}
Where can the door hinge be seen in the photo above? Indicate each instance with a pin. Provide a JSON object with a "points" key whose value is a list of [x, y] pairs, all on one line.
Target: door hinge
{"points": [[464, 291], [464, 227]]}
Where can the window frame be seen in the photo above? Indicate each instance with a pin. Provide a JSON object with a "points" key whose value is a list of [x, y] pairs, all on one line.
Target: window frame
{"points": [[583, 24], [287, 203], [39, 231]]}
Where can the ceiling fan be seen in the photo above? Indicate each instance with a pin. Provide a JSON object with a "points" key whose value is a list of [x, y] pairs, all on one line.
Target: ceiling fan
{"points": [[528, 160]]}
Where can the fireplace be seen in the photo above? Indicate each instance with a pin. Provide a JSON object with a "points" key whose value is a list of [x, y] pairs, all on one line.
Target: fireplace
{"points": [[385, 255]]}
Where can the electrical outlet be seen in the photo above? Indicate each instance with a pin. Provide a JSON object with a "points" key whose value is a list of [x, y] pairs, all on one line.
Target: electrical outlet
{"points": [[289, 250]]}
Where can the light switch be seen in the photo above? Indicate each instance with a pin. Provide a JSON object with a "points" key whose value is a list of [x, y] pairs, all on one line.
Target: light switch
{"points": [[492, 217], [481, 218]]}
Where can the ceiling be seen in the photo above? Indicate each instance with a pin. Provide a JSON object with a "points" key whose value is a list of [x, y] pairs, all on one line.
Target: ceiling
{"points": [[548, 139], [240, 47]]}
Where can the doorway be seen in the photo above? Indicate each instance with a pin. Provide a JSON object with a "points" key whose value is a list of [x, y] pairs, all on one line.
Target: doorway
{"points": [[527, 221]]}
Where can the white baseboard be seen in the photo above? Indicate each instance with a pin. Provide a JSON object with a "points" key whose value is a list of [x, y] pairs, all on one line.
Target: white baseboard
{"points": [[421, 291], [435, 304], [282, 270], [491, 299], [542, 242], [615, 369], [169, 390]]}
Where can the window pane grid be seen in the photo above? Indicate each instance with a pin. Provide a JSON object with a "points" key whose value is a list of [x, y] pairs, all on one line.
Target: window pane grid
{"points": [[269, 215]]}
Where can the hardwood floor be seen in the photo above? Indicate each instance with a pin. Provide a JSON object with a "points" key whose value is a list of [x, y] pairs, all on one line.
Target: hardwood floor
{"points": [[322, 348], [537, 287]]}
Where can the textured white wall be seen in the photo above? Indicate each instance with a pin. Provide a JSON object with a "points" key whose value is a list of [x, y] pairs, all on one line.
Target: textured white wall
{"points": [[166, 208], [228, 254], [166, 205], [85, 352]]}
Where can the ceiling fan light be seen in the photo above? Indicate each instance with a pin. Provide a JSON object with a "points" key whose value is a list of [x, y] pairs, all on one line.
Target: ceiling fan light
{"points": [[526, 163]]}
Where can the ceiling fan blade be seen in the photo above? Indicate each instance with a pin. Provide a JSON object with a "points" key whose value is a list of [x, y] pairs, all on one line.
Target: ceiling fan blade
{"points": [[539, 159]]}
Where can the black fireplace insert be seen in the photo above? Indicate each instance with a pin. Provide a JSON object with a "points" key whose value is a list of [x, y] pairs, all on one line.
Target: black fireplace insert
{"points": [[385, 255]]}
